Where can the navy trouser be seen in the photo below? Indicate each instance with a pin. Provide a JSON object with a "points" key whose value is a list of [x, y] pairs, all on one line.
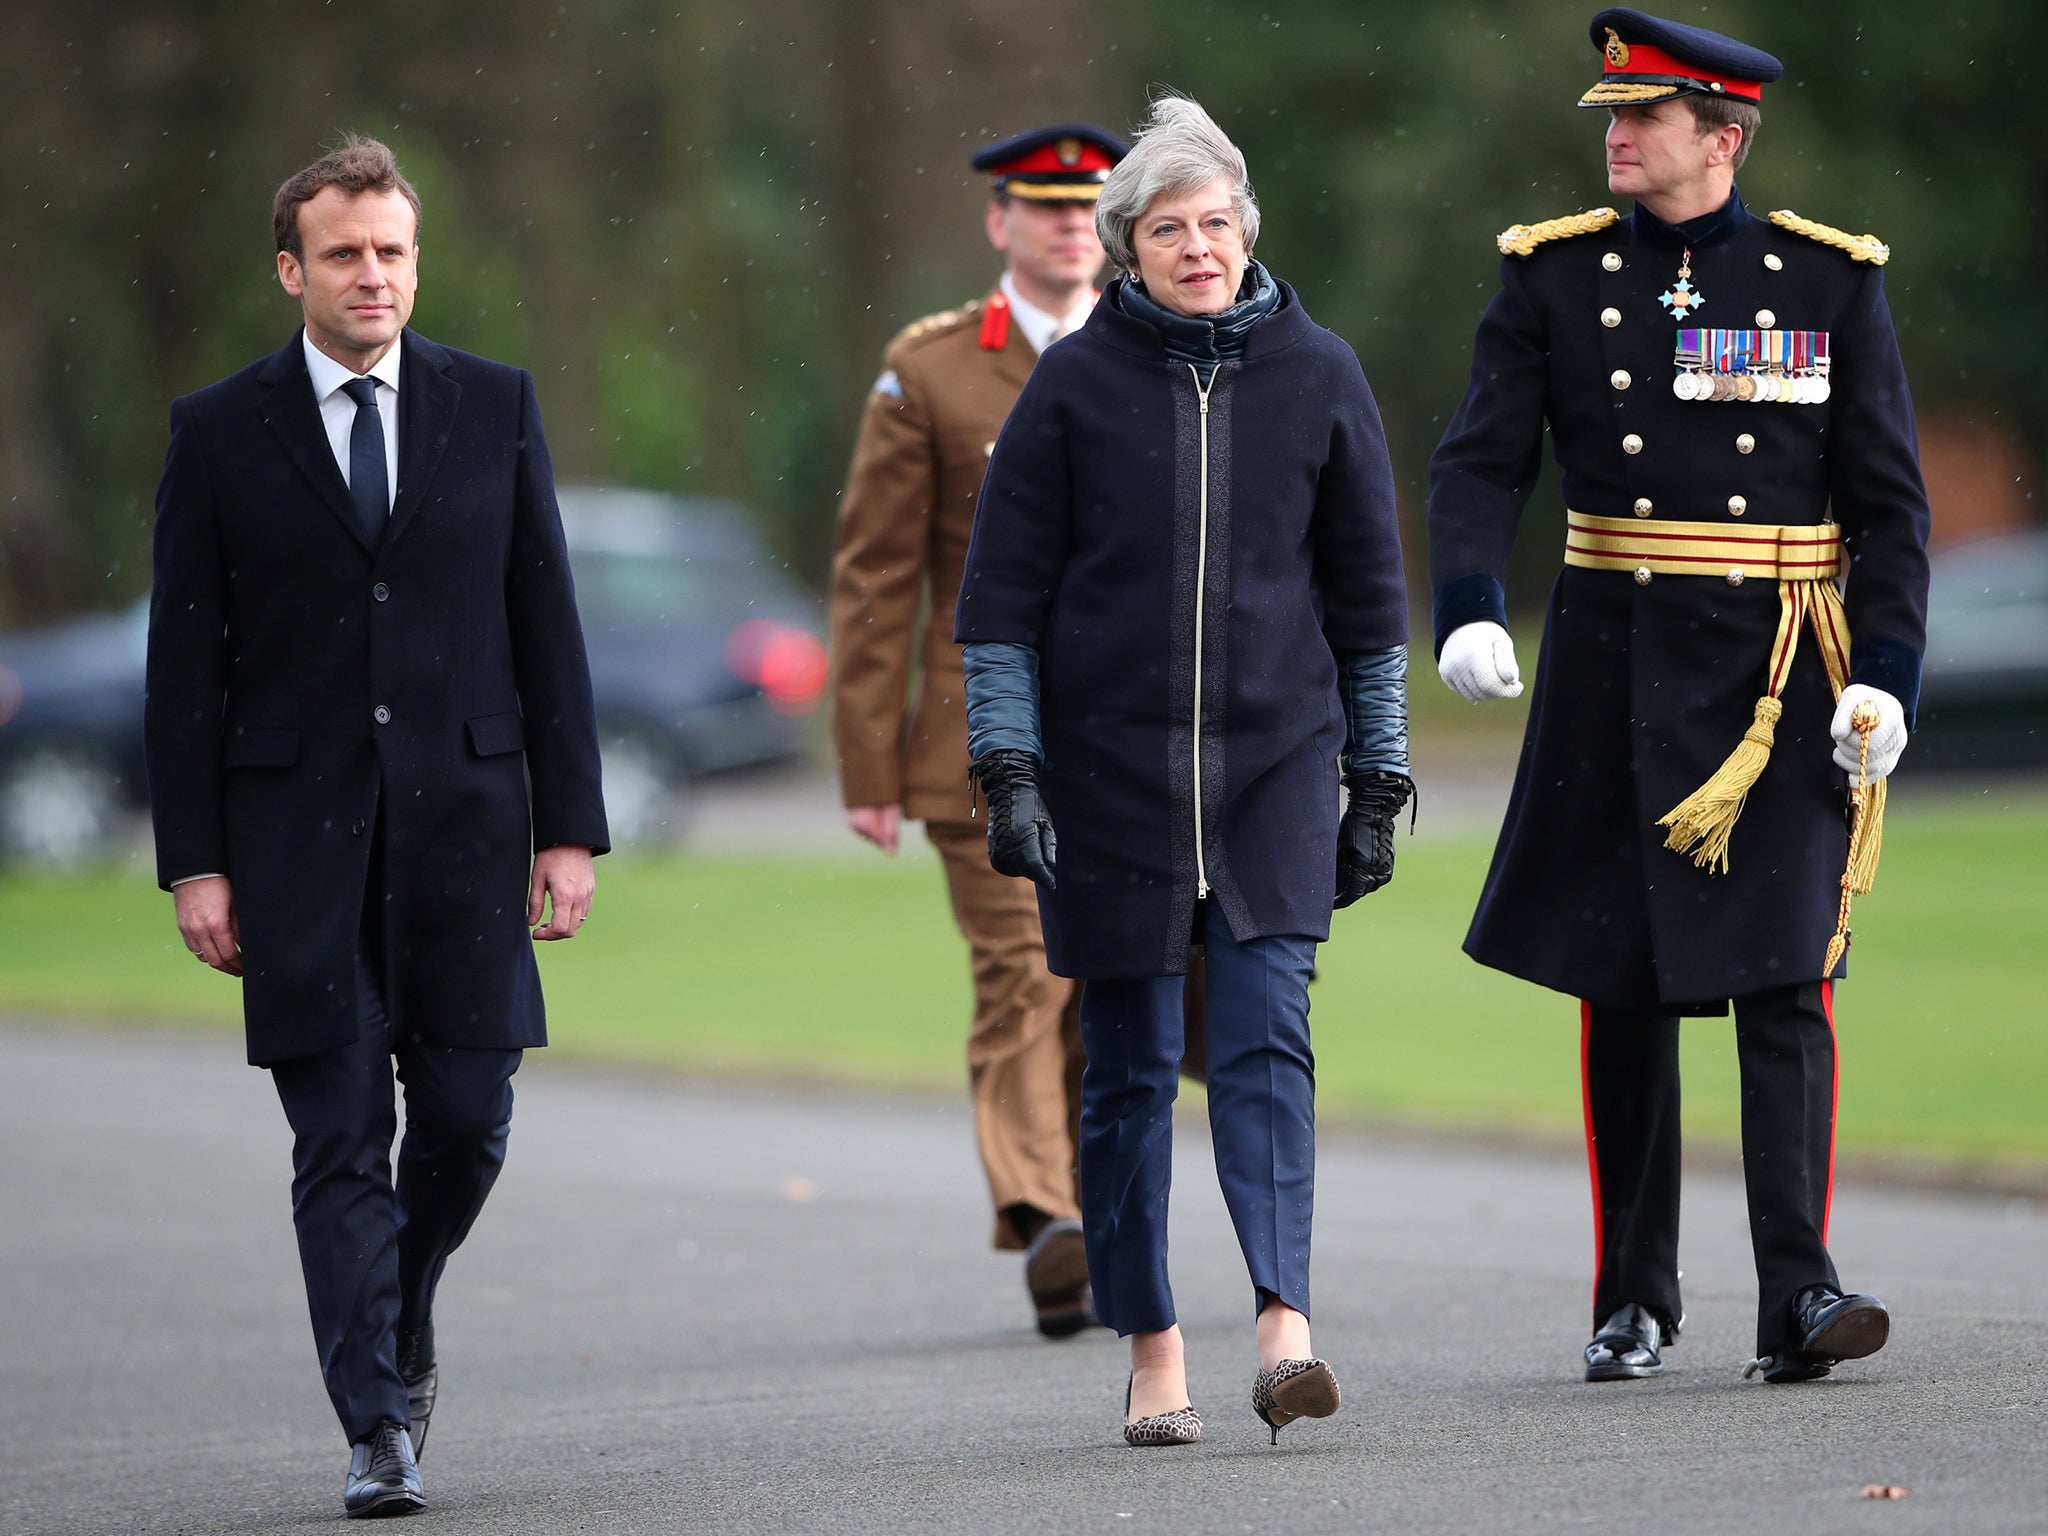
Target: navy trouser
{"points": [[1261, 1117], [1785, 1044], [372, 1253]]}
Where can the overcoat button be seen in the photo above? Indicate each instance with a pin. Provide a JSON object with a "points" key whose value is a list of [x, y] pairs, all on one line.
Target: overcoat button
{"points": [[381, 592], [1735, 577], [1765, 319], [1619, 378], [1610, 318], [1631, 444], [1745, 443], [1738, 505], [1644, 506], [381, 715], [358, 827], [1611, 261], [1771, 260], [1642, 575]]}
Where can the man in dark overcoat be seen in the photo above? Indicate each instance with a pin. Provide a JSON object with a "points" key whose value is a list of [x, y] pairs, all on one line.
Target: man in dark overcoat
{"points": [[363, 644], [1726, 400]]}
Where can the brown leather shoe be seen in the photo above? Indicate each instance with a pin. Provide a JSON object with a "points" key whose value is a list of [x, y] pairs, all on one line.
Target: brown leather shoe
{"points": [[1056, 1274]]}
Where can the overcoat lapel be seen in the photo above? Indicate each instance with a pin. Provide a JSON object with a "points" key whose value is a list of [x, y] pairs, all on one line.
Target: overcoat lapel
{"points": [[426, 416], [291, 413]]}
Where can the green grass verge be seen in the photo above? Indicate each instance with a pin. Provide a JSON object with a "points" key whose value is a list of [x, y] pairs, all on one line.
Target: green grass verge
{"points": [[850, 970]]}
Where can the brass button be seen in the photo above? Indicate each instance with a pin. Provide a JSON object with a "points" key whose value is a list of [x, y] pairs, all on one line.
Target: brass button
{"points": [[1737, 505], [1744, 443], [1619, 378], [1610, 318], [1611, 261], [1735, 576], [1642, 575], [1765, 319], [1631, 444], [1771, 261], [1644, 506]]}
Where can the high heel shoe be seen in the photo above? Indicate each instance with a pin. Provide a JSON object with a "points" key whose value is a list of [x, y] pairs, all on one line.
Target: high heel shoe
{"points": [[1294, 1389], [1183, 1426]]}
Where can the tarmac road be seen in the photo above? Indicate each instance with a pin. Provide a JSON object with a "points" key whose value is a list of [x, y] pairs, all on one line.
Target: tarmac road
{"points": [[711, 1308]]}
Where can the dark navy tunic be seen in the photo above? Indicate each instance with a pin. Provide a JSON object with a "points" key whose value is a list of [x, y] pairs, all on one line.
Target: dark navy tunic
{"points": [[1642, 690], [1094, 543]]}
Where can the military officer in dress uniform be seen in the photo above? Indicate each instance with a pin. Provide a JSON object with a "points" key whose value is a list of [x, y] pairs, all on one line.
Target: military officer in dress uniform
{"points": [[1725, 397], [946, 387]]}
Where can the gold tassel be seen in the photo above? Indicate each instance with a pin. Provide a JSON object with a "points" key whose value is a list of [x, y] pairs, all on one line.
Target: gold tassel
{"points": [[1707, 816], [1869, 804]]}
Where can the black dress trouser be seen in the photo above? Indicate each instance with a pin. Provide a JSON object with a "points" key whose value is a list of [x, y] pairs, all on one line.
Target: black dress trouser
{"points": [[372, 1250], [1785, 1044]]}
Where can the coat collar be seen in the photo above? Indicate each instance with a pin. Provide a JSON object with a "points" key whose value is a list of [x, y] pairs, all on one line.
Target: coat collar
{"points": [[427, 399], [1287, 324], [1709, 229]]}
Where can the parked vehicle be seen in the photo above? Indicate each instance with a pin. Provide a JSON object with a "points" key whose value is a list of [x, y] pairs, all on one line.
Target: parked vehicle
{"points": [[704, 658], [1984, 697]]}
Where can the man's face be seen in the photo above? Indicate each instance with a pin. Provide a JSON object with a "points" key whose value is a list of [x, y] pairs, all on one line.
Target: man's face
{"points": [[1050, 245], [359, 273], [1658, 149]]}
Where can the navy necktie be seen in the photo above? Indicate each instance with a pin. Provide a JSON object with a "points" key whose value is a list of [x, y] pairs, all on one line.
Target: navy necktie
{"points": [[369, 483]]}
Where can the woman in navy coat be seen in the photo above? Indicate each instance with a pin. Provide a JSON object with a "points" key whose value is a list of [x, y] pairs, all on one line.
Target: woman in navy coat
{"points": [[1183, 602]]}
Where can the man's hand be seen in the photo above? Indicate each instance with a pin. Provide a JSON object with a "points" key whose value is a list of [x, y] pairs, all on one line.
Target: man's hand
{"points": [[206, 921], [1886, 742], [1478, 663], [879, 824], [564, 876], [1020, 837]]}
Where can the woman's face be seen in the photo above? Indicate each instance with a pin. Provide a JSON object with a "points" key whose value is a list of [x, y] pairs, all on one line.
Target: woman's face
{"points": [[1190, 249]]}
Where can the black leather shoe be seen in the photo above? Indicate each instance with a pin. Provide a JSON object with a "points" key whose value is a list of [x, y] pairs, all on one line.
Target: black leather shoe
{"points": [[383, 1479], [1056, 1274], [1628, 1345], [421, 1374], [1831, 1328]]}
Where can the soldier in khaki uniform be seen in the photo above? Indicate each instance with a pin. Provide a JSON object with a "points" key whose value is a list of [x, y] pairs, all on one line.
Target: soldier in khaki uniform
{"points": [[947, 384]]}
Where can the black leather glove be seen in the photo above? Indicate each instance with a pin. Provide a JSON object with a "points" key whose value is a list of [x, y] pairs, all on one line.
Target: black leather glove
{"points": [[1365, 837], [1020, 836]]}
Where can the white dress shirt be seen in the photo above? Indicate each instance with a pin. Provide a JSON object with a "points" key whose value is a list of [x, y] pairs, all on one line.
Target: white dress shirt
{"points": [[338, 412], [1037, 325]]}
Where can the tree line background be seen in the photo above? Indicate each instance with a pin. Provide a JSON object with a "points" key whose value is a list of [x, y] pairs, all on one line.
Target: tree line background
{"points": [[698, 224]]}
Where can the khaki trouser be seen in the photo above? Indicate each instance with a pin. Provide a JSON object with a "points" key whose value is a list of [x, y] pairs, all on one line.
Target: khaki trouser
{"points": [[1024, 1051]]}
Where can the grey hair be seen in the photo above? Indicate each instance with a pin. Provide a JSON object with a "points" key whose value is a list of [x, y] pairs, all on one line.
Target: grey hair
{"points": [[1178, 149]]}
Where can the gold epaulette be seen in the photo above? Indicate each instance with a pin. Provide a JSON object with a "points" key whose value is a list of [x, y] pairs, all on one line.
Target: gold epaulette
{"points": [[933, 325], [1859, 247], [1521, 239]]}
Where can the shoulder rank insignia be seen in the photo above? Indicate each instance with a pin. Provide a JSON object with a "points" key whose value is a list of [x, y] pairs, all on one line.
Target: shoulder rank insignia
{"points": [[944, 320], [1522, 239], [1858, 247]]}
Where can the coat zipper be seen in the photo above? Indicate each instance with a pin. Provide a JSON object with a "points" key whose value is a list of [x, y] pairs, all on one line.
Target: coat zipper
{"points": [[1201, 592]]}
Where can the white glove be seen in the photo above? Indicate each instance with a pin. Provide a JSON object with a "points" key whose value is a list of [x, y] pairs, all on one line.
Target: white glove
{"points": [[1478, 663], [1886, 742]]}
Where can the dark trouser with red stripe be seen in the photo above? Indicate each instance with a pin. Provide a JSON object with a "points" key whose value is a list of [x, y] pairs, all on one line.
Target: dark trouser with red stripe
{"points": [[1785, 1042]]}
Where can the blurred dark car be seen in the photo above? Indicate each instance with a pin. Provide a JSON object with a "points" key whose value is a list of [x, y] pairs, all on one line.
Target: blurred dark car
{"points": [[704, 657], [1984, 696]]}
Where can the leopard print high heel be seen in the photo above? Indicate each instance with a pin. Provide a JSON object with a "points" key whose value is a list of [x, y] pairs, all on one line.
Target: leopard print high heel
{"points": [[1183, 1426], [1294, 1389]]}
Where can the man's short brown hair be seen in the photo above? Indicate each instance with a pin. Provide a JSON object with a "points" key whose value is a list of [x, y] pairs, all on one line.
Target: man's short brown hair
{"points": [[1711, 112], [354, 165]]}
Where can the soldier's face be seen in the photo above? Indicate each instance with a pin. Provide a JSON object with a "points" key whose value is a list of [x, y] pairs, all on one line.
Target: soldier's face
{"points": [[1190, 249], [1050, 245], [1658, 150], [360, 269]]}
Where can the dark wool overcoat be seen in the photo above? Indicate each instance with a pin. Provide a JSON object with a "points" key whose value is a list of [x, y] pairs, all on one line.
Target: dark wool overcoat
{"points": [[1643, 689], [1186, 603], [310, 695]]}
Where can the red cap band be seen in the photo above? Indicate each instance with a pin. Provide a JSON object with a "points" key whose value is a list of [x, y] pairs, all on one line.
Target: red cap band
{"points": [[1645, 60]]}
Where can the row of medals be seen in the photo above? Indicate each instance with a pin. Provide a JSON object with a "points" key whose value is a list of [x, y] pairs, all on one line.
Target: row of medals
{"points": [[1752, 388]]}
